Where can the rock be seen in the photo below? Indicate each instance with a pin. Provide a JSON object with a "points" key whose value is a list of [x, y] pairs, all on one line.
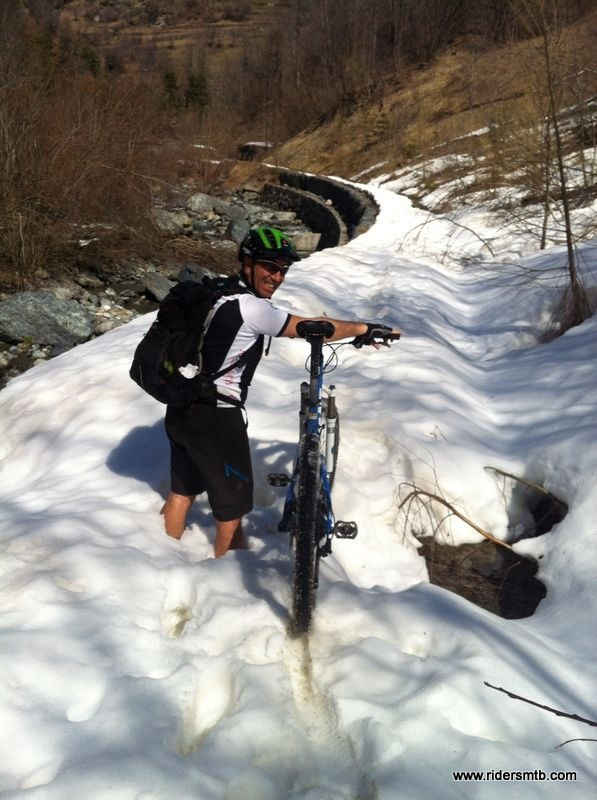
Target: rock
{"points": [[92, 300], [249, 196], [306, 242], [156, 285], [284, 216], [174, 222], [63, 292], [105, 325], [44, 319], [201, 204], [201, 226], [233, 212], [88, 281], [255, 212], [193, 272], [123, 314], [236, 230], [207, 207]]}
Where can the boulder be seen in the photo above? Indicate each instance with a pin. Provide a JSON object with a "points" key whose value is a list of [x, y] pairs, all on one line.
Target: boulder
{"points": [[174, 222], [193, 272], [44, 319], [284, 216], [201, 204], [156, 285], [232, 211], [105, 325], [236, 230], [306, 242]]}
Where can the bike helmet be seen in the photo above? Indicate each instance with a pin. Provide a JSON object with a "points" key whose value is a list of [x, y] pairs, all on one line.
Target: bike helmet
{"points": [[268, 243]]}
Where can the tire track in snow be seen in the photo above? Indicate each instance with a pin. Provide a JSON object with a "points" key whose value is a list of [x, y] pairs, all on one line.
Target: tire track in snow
{"points": [[336, 773]]}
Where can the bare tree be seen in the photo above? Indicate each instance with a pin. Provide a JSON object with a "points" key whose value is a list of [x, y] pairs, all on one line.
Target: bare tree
{"points": [[75, 149], [544, 19]]}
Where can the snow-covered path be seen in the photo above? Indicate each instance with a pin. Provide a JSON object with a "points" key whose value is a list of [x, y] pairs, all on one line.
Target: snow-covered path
{"points": [[139, 668]]}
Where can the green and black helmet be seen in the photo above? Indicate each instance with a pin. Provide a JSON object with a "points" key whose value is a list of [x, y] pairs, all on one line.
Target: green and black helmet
{"points": [[267, 243]]}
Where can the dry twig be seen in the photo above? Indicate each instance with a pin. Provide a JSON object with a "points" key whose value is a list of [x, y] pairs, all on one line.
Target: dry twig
{"points": [[416, 493], [545, 708], [574, 740]]}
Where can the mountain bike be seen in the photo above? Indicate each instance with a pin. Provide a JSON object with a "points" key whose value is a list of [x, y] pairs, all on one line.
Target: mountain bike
{"points": [[308, 515]]}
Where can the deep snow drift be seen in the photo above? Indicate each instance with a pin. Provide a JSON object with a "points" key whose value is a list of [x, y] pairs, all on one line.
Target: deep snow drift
{"points": [[139, 668]]}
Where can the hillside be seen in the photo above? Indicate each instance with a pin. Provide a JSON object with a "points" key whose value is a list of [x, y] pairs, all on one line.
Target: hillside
{"points": [[469, 84], [155, 35], [467, 88], [162, 81]]}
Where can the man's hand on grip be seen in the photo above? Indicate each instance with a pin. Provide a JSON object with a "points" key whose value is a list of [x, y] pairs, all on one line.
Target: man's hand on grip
{"points": [[376, 333]]}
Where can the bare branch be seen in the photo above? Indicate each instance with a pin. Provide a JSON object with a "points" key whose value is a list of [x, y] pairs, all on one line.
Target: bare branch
{"points": [[539, 705], [416, 493], [574, 740], [530, 484]]}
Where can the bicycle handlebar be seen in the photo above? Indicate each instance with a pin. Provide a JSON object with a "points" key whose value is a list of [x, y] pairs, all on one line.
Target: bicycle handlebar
{"points": [[324, 329]]}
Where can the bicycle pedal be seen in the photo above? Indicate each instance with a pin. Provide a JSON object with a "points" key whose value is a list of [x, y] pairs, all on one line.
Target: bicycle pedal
{"points": [[345, 530], [278, 479]]}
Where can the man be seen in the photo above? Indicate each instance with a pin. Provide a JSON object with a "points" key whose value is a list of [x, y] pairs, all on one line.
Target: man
{"points": [[208, 442]]}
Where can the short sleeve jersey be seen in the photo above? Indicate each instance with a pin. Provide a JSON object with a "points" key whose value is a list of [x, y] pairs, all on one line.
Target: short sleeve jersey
{"points": [[239, 325]]}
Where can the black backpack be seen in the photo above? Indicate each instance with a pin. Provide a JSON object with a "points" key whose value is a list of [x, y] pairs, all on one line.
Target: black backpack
{"points": [[175, 340]]}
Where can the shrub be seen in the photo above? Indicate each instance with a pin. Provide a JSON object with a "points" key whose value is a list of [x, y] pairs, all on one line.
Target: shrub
{"points": [[75, 150]]}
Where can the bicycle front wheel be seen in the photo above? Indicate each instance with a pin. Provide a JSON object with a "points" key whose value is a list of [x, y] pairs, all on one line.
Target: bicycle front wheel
{"points": [[305, 534]]}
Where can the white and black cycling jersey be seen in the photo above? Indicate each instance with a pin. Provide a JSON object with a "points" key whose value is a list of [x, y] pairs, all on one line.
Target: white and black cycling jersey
{"points": [[238, 327]]}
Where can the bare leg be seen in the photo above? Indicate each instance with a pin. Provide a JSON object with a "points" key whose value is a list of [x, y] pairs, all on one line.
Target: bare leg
{"points": [[175, 512], [229, 536]]}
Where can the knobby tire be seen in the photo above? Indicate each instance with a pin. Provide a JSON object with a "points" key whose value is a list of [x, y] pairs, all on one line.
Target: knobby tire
{"points": [[305, 542]]}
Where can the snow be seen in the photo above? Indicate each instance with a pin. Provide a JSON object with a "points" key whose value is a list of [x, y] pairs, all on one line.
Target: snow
{"points": [[136, 667]]}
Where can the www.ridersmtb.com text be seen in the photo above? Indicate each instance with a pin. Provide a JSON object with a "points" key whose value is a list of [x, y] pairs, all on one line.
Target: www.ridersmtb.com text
{"points": [[505, 775]]}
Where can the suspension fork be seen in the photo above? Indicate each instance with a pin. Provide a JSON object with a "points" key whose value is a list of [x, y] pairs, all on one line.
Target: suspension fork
{"points": [[331, 419], [311, 400]]}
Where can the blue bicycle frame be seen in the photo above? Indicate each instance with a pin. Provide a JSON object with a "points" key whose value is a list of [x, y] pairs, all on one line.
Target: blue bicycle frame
{"points": [[318, 437], [308, 514]]}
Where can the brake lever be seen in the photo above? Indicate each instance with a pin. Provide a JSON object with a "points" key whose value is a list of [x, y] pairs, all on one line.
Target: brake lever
{"points": [[385, 341]]}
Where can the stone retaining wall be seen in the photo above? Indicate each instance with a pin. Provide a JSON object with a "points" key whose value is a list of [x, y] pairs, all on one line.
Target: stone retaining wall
{"points": [[356, 207], [318, 216]]}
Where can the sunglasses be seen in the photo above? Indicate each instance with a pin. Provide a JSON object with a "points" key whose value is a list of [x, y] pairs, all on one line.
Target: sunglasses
{"points": [[272, 268]]}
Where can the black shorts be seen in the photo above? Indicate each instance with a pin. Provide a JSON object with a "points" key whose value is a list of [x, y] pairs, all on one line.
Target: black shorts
{"points": [[209, 451]]}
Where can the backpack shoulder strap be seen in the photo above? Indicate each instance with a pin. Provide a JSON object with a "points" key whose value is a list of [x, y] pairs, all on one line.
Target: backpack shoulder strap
{"points": [[223, 286], [181, 306]]}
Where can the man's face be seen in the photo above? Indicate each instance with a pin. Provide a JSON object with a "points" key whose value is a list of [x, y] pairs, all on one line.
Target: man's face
{"points": [[266, 275]]}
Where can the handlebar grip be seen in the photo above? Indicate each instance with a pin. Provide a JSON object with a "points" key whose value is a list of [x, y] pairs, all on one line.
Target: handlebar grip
{"points": [[315, 327], [376, 333]]}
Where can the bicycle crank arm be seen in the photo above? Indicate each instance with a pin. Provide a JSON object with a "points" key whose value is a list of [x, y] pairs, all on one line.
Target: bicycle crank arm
{"points": [[345, 530]]}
